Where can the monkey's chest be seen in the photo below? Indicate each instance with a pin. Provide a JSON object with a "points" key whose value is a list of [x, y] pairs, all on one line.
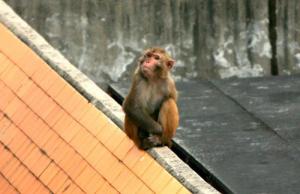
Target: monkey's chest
{"points": [[152, 99], [153, 104]]}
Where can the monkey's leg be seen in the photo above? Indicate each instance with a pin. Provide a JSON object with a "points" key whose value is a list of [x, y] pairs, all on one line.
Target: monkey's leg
{"points": [[132, 131], [169, 119]]}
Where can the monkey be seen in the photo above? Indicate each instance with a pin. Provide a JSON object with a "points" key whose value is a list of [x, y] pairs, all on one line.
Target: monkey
{"points": [[151, 112]]}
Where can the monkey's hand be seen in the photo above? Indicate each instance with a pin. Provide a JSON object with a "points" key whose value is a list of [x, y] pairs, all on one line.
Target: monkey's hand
{"points": [[157, 130], [155, 140], [151, 141], [143, 119]]}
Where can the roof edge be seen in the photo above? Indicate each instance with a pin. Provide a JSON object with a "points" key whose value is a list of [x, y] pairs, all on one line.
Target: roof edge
{"points": [[174, 165]]}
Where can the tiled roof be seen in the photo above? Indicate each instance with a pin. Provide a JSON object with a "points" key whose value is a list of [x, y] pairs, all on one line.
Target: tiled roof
{"points": [[53, 140]]}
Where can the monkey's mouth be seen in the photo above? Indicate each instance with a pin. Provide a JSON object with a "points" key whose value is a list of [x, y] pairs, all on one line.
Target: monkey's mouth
{"points": [[147, 71]]}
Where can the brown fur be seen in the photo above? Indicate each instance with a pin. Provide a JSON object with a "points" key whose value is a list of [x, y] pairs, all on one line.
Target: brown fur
{"points": [[151, 112]]}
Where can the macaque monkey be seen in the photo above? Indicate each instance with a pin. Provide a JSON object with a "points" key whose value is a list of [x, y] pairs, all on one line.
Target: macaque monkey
{"points": [[151, 114]]}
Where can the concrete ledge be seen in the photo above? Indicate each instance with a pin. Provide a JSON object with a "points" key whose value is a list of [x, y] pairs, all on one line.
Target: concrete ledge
{"points": [[97, 96]]}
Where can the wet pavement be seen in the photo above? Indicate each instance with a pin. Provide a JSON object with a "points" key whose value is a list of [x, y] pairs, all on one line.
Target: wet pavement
{"points": [[243, 133]]}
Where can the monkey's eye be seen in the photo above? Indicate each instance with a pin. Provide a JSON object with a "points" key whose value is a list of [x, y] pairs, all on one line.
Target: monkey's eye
{"points": [[156, 57], [149, 55]]}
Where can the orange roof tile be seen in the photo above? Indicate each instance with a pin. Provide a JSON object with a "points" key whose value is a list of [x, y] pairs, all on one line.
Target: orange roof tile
{"points": [[53, 140]]}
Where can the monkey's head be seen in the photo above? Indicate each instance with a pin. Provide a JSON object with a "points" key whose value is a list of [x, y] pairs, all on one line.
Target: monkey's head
{"points": [[155, 63]]}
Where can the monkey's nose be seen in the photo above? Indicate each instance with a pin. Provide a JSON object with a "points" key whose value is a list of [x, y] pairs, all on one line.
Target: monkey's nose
{"points": [[147, 62]]}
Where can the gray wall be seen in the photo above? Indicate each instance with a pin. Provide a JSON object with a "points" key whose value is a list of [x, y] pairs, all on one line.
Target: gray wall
{"points": [[288, 29], [208, 38]]}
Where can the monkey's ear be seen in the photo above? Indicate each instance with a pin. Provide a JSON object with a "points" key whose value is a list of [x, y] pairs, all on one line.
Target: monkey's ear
{"points": [[170, 63]]}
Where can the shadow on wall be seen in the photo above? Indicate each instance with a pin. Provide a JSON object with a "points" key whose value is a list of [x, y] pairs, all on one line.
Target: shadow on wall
{"points": [[209, 38]]}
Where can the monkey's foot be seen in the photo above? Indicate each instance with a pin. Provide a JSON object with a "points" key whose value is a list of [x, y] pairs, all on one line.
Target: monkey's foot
{"points": [[151, 141]]}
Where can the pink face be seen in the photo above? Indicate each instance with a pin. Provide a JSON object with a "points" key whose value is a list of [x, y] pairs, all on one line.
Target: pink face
{"points": [[152, 60], [155, 65]]}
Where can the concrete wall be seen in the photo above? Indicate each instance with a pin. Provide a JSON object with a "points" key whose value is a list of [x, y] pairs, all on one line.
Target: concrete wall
{"points": [[208, 38], [288, 40]]}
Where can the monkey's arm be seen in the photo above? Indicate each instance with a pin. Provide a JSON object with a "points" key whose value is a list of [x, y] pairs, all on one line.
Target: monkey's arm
{"points": [[141, 118]]}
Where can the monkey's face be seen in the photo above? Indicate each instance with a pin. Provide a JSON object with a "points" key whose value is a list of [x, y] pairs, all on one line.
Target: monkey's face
{"points": [[155, 64], [149, 64]]}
